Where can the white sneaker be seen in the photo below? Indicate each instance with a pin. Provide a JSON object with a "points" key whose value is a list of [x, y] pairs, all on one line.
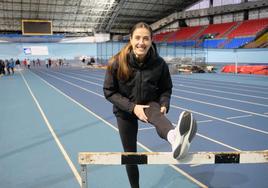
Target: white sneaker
{"points": [[184, 134]]}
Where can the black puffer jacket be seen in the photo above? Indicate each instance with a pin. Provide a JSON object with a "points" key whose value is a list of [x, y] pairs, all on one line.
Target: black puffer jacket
{"points": [[150, 81]]}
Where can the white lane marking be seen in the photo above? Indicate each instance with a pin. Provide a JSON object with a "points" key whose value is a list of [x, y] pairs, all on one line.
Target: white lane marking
{"points": [[112, 126], [236, 117], [223, 120], [176, 96], [215, 140], [74, 85], [222, 86], [204, 121], [63, 151], [205, 137], [221, 106], [218, 97], [86, 76], [174, 106], [151, 127], [218, 142], [79, 79], [220, 91], [214, 96], [148, 128]]}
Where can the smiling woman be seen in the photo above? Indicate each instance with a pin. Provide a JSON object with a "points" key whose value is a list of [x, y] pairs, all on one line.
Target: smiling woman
{"points": [[139, 85]]}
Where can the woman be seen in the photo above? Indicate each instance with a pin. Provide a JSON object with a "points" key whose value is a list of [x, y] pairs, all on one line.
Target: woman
{"points": [[139, 86]]}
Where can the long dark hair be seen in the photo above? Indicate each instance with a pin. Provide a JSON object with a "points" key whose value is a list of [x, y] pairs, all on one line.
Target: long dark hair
{"points": [[124, 71]]}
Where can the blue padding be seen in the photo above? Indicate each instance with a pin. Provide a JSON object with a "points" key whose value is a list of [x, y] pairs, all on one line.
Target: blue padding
{"points": [[238, 42], [211, 43], [186, 43]]}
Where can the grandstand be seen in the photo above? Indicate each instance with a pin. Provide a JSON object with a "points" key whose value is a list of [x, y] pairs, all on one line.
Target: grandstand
{"points": [[190, 30], [223, 35]]}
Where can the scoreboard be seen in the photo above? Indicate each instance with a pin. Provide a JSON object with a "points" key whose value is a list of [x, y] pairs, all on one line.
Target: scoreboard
{"points": [[36, 27]]}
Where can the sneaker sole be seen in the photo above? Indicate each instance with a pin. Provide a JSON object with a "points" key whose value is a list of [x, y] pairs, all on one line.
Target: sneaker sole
{"points": [[188, 133]]}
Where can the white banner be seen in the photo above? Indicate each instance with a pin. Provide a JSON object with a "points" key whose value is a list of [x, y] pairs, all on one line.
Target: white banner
{"points": [[35, 50]]}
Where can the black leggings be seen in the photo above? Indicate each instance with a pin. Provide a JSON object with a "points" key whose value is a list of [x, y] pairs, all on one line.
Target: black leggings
{"points": [[128, 129]]}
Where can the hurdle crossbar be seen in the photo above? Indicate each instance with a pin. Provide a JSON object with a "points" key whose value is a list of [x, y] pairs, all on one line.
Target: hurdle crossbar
{"points": [[166, 158]]}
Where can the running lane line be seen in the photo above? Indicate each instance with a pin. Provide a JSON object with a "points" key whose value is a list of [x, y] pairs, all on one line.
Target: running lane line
{"points": [[173, 95], [173, 106], [115, 128], [63, 151]]}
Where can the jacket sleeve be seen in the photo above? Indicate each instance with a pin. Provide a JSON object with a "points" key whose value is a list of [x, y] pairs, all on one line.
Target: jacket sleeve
{"points": [[165, 86], [112, 94]]}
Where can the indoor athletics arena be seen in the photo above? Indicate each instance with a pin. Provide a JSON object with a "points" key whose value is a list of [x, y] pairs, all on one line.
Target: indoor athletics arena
{"points": [[133, 93]]}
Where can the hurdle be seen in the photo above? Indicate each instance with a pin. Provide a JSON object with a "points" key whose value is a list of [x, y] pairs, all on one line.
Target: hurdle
{"points": [[166, 158]]}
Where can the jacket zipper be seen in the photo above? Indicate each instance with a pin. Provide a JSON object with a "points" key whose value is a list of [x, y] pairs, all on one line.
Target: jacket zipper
{"points": [[141, 92], [139, 87]]}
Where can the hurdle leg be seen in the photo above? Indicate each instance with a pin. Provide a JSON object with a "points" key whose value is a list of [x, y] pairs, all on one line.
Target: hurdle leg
{"points": [[84, 176]]}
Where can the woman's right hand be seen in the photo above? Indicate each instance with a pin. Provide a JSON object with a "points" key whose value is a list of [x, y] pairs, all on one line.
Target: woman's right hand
{"points": [[139, 112]]}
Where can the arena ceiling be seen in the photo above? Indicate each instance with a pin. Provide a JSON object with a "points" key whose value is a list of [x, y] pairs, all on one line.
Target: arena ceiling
{"points": [[87, 16]]}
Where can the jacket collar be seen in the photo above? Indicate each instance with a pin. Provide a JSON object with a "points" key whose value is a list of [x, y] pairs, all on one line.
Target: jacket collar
{"points": [[149, 59]]}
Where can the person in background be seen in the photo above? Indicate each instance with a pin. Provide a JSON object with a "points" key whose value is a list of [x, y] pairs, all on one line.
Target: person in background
{"points": [[11, 65], [60, 62], [25, 63], [2, 67], [83, 60], [28, 63], [7, 62], [139, 85], [46, 62], [38, 62], [49, 63], [17, 64]]}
